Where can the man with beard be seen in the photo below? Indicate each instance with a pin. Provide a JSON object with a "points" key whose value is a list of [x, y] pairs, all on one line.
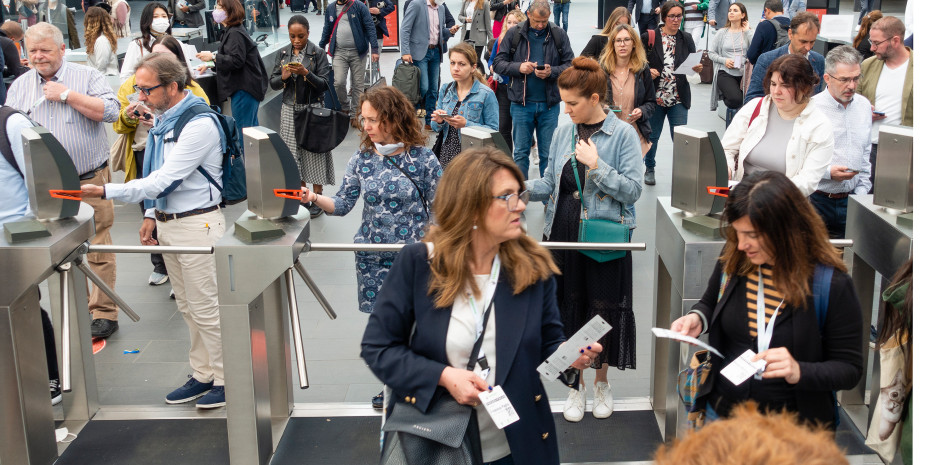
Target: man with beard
{"points": [[185, 205], [802, 35]]}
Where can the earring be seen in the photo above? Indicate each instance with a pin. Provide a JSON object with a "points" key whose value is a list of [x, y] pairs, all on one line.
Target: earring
{"points": [[474, 227]]}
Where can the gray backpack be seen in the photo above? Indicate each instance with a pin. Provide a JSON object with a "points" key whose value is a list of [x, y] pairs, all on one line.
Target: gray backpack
{"points": [[407, 80], [782, 32]]}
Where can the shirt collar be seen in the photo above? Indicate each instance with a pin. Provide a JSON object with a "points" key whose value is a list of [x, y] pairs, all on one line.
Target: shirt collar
{"points": [[58, 74]]}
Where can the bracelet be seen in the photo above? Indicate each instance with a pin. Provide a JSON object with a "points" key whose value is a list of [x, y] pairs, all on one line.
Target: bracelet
{"points": [[104, 195], [595, 163]]}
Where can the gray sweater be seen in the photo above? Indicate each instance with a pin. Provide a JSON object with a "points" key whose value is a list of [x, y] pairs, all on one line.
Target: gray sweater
{"points": [[727, 45]]}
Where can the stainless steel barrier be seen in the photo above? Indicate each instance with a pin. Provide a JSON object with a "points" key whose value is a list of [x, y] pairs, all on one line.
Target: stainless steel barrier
{"points": [[327, 247]]}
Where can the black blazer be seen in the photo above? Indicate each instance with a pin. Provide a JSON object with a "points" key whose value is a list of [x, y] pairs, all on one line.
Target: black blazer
{"points": [[595, 46], [684, 45], [830, 361], [500, 10], [298, 90], [645, 99], [239, 66], [529, 329]]}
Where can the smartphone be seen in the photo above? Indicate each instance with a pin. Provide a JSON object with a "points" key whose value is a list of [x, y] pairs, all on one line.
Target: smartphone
{"points": [[879, 113], [445, 116], [850, 171], [541, 67], [293, 64]]}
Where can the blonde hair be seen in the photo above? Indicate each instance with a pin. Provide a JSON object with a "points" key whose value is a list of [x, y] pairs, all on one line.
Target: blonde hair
{"points": [[614, 19], [468, 51], [97, 22], [462, 199], [515, 13], [608, 59]]}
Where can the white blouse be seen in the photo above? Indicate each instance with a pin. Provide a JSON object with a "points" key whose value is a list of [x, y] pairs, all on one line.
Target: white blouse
{"points": [[104, 58]]}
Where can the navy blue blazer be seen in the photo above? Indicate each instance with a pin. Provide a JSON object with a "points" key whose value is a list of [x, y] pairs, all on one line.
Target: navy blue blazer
{"points": [[529, 329]]}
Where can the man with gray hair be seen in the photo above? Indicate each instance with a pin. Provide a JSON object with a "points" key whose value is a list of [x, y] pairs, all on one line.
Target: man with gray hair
{"points": [[73, 102], [851, 115], [185, 205]]}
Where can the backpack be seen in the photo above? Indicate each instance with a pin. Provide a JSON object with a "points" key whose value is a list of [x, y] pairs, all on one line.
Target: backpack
{"points": [[5, 148], [555, 38], [782, 34], [407, 80], [233, 189]]}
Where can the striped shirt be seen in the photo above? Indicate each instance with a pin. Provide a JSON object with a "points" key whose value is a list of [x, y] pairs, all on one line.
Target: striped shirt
{"points": [[852, 144], [772, 297], [84, 139]]}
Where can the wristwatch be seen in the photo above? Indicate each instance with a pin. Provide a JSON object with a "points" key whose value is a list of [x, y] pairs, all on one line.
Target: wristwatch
{"points": [[64, 95]]}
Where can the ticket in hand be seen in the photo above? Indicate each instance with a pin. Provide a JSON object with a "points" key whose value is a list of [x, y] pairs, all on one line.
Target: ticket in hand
{"points": [[567, 353]]}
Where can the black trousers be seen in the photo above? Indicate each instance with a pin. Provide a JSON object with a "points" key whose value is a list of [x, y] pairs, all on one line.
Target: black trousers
{"points": [[51, 351], [650, 21], [728, 87], [873, 159], [158, 262], [506, 122]]}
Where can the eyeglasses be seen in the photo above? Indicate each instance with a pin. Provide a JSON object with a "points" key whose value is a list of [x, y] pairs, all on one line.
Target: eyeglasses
{"points": [[624, 41], [363, 121], [675, 17], [845, 81], [146, 90], [512, 200], [876, 44]]}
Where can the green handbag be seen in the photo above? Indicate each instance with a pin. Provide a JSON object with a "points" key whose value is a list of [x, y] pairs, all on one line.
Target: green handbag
{"points": [[598, 230]]}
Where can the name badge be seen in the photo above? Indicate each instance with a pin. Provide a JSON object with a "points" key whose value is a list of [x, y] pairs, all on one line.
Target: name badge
{"points": [[499, 407], [742, 368]]}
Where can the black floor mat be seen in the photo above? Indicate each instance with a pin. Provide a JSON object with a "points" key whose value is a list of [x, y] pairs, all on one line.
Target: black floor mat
{"points": [[144, 442]]}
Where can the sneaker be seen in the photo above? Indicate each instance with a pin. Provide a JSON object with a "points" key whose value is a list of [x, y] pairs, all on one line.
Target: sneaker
{"points": [[54, 387], [378, 401], [650, 177], [603, 401], [534, 155], [213, 399], [191, 390], [103, 328], [575, 405], [157, 279], [171, 294], [315, 211]]}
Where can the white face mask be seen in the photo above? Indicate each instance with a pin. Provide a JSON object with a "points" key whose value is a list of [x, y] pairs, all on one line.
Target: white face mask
{"points": [[388, 149], [160, 25]]}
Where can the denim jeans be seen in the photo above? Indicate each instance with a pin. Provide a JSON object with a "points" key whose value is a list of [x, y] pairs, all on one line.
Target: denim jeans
{"points": [[677, 116], [833, 213], [244, 109], [561, 10], [538, 117], [429, 79]]}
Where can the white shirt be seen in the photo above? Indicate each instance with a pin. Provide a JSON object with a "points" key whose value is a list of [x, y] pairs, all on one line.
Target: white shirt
{"points": [[104, 58], [888, 95], [851, 142], [135, 52], [470, 9]]}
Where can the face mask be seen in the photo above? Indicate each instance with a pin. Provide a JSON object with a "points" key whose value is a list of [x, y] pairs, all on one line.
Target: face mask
{"points": [[160, 25], [219, 15], [388, 149]]}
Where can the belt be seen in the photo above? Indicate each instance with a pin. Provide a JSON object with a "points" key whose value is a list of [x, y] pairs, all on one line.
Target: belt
{"points": [[839, 195], [433, 46], [90, 174], [163, 217]]}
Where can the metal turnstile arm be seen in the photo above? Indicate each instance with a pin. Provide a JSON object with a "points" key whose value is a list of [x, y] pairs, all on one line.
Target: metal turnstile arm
{"points": [[295, 329], [315, 290], [106, 289], [65, 284]]}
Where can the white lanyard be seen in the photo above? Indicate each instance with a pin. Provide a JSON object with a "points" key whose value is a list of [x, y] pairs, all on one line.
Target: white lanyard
{"points": [[487, 297], [764, 331]]}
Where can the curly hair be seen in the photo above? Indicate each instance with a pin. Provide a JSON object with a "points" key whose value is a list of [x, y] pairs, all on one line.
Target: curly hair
{"points": [[396, 115], [97, 22]]}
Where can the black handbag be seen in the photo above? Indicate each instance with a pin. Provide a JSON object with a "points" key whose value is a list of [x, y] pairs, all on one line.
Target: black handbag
{"points": [[320, 130], [446, 434]]}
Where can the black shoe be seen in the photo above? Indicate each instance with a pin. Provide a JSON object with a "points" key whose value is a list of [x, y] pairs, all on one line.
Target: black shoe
{"points": [[103, 328], [315, 211], [54, 387], [318, 12], [378, 401], [650, 177]]}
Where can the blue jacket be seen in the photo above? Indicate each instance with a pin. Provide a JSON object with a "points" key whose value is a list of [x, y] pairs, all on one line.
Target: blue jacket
{"points": [[529, 331], [756, 88], [764, 38], [380, 23], [363, 28], [610, 190], [507, 64], [479, 107], [414, 29]]}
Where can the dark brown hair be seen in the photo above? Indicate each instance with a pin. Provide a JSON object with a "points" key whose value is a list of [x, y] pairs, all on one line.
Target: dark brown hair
{"points": [[235, 13], [898, 320], [667, 7], [795, 72], [471, 56], [586, 77], [464, 194], [742, 8], [791, 232], [866, 24], [396, 116], [802, 18], [172, 44]]}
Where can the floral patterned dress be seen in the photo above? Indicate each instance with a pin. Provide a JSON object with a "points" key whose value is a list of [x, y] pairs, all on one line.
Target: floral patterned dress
{"points": [[393, 210], [667, 93]]}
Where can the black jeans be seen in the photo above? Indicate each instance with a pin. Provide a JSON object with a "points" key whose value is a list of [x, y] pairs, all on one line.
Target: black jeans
{"points": [[506, 122], [51, 351], [728, 87], [873, 159], [158, 262]]}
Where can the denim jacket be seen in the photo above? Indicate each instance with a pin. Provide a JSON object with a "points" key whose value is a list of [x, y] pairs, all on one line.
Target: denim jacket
{"points": [[612, 188], [479, 107]]}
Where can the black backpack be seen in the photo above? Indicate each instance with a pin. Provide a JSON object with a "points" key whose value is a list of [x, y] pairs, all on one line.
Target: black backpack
{"points": [[782, 34], [234, 187], [522, 29]]}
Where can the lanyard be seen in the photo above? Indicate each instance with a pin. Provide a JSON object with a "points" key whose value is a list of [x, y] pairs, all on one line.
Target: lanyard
{"points": [[487, 297], [764, 331]]}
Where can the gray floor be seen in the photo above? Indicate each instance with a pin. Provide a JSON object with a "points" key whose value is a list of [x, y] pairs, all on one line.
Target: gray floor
{"points": [[337, 374]]}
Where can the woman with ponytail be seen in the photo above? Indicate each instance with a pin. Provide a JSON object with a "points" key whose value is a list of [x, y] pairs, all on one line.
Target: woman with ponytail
{"points": [[466, 101]]}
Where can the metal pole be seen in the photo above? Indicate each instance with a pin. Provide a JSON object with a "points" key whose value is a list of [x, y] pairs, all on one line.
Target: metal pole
{"points": [[841, 242], [106, 290], [149, 249], [332, 247], [295, 329], [315, 290], [65, 286]]}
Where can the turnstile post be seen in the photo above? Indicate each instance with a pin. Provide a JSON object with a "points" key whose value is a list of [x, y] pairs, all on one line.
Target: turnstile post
{"points": [[295, 329]]}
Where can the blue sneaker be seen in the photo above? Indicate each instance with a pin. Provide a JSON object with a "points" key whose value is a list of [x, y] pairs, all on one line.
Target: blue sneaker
{"points": [[215, 398], [191, 390]]}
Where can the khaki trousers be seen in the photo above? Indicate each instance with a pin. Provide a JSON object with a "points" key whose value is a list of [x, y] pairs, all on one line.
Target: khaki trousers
{"points": [[193, 278], [103, 264]]}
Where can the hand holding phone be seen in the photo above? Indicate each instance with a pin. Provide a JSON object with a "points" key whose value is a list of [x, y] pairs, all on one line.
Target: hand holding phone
{"points": [[540, 67], [879, 113]]}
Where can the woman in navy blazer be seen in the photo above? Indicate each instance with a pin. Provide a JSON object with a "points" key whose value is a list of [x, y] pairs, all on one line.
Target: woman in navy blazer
{"points": [[477, 213]]}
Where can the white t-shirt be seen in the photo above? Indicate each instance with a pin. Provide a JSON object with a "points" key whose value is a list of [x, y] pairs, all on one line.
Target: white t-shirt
{"points": [[888, 95], [470, 10]]}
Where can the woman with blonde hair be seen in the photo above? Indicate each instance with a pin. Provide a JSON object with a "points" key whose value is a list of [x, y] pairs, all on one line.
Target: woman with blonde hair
{"points": [[598, 41], [476, 280], [471, 104], [499, 82], [630, 92], [100, 39]]}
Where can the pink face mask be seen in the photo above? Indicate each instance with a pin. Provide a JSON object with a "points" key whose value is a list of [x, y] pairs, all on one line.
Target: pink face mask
{"points": [[219, 15]]}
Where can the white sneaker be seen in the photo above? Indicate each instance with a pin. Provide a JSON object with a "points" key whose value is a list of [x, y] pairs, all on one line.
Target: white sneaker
{"points": [[534, 155], [603, 401], [574, 405]]}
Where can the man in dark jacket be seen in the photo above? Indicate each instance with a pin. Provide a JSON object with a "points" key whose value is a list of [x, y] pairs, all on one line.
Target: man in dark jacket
{"points": [[424, 34], [187, 13], [765, 38], [534, 53], [803, 33], [13, 65], [379, 9], [350, 33]]}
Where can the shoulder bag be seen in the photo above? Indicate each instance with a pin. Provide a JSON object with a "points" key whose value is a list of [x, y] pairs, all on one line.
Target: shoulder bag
{"points": [[320, 130], [446, 434], [598, 230]]}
